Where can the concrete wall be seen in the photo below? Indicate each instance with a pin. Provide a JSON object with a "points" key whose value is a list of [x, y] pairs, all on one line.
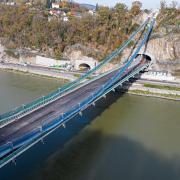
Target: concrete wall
{"points": [[44, 61]]}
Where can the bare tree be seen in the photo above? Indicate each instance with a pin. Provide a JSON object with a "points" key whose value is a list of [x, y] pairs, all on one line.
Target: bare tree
{"points": [[163, 4], [174, 4]]}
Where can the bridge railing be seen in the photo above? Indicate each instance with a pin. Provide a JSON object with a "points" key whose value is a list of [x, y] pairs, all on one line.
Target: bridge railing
{"points": [[23, 110]]}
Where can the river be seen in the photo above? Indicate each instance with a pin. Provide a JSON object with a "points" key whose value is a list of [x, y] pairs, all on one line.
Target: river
{"points": [[124, 137]]}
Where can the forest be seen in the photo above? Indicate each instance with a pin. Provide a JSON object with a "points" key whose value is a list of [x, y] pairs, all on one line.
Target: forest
{"points": [[25, 27]]}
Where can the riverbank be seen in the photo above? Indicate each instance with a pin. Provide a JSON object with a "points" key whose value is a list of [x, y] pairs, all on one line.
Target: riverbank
{"points": [[37, 70], [151, 90], [141, 89], [156, 95]]}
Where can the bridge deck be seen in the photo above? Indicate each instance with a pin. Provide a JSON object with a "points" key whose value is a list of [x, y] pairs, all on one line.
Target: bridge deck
{"points": [[51, 111]]}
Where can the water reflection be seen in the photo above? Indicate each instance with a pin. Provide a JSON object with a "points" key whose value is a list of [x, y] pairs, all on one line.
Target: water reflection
{"points": [[95, 156]]}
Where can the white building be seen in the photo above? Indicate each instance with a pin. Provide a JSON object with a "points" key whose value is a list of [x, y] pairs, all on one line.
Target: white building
{"points": [[65, 19], [10, 3], [55, 5], [158, 76], [92, 12]]}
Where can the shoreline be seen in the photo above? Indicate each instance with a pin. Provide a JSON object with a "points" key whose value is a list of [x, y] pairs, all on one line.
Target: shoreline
{"points": [[142, 90], [160, 96], [37, 71], [132, 90], [33, 74]]}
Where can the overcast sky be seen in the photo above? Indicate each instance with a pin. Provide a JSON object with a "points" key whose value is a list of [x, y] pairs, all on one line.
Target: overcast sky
{"points": [[149, 4]]}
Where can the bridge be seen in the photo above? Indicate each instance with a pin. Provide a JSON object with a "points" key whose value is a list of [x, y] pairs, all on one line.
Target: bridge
{"points": [[25, 126]]}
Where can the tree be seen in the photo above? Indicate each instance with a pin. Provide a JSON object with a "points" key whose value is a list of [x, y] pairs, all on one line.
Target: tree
{"points": [[135, 10], [97, 7], [163, 4], [121, 8], [174, 4], [48, 4]]}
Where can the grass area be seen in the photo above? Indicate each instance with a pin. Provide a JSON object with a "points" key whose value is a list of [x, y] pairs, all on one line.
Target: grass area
{"points": [[77, 75], [162, 87], [35, 74], [11, 53], [172, 96]]}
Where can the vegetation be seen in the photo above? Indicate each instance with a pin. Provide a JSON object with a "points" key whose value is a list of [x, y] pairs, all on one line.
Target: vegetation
{"points": [[28, 27], [21, 26], [169, 96], [162, 87], [176, 72], [169, 16]]}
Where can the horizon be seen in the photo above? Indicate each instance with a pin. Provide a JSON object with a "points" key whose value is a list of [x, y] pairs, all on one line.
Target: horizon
{"points": [[153, 4]]}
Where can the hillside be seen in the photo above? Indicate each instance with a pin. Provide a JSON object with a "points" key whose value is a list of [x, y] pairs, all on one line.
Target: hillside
{"points": [[88, 6], [30, 28]]}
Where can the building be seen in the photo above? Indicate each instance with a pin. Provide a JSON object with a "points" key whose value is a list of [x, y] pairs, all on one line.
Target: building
{"points": [[55, 5], [11, 3], [92, 12], [65, 19], [158, 76]]}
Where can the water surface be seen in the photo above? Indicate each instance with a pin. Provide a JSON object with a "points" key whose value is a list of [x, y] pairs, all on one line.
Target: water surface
{"points": [[18, 88], [123, 137]]}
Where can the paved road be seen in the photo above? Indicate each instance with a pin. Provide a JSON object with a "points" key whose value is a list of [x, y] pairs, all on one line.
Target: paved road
{"points": [[40, 70]]}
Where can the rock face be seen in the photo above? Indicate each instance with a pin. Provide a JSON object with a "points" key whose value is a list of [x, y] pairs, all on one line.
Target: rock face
{"points": [[78, 51], [1, 52], [165, 48], [80, 55], [164, 51]]}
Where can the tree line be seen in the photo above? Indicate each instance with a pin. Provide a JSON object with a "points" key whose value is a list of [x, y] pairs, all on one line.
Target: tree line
{"points": [[24, 27]]}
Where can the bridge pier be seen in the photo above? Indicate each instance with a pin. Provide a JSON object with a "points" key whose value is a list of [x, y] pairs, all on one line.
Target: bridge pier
{"points": [[14, 162], [80, 113], [42, 141], [64, 125]]}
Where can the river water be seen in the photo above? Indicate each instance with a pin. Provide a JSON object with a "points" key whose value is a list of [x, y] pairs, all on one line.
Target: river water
{"points": [[124, 137]]}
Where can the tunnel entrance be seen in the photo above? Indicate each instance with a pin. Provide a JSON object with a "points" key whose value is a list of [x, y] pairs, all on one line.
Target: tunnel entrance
{"points": [[144, 56], [84, 67]]}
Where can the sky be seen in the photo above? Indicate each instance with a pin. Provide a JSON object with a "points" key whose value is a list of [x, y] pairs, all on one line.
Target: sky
{"points": [[149, 4]]}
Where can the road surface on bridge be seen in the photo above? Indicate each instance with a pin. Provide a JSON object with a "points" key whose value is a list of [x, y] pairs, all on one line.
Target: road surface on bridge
{"points": [[51, 111]]}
